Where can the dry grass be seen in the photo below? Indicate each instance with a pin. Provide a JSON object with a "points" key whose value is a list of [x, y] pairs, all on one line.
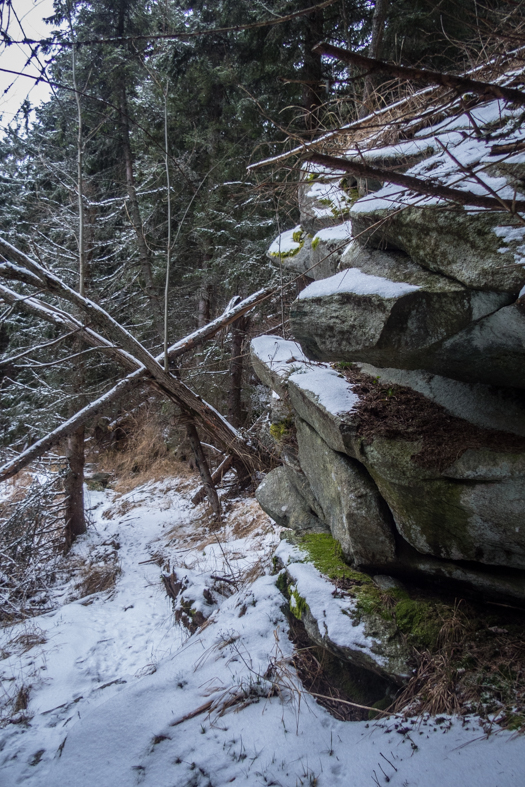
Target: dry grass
{"points": [[478, 666], [96, 579], [145, 457]]}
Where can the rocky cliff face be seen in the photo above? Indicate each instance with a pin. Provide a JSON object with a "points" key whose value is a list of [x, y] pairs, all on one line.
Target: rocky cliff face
{"points": [[399, 403]]}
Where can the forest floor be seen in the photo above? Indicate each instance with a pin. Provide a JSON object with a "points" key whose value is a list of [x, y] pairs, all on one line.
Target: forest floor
{"points": [[109, 688]]}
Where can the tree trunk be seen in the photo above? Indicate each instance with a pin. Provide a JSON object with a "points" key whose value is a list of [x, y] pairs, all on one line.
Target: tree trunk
{"points": [[74, 480], [238, 329], [374, 51], [135, 217], [312, 74], [74, 487], [203, 468]]}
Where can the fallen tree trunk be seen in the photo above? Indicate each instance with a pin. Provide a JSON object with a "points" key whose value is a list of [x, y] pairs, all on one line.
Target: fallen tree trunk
{"points": [[460, 84], [130, 353], [417, 185]]}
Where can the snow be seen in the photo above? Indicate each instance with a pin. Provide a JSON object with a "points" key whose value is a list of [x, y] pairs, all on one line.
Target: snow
{"points": [[115, 677], [332, 390], [285, 244], [339, 232], [330, 199], [355, 281], [333, 614], [281, 356], [288, 361], [512, 235]]}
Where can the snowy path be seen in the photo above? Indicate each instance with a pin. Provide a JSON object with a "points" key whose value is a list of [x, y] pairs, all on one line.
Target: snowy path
{"points": [[114, 674]]}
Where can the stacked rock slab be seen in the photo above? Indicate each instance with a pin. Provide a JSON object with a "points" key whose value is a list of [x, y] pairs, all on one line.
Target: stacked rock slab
{"points": [[406, 378]]}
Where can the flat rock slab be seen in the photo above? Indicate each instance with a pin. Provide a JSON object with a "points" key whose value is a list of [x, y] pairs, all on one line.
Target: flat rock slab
{"points": [[480, 249], [336, 621], [399, 318]]}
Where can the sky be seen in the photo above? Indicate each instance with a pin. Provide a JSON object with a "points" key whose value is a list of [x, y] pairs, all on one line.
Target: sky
{"points": [[14, 90]]}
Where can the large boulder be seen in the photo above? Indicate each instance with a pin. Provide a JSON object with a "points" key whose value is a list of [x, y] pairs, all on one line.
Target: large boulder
{"points": [[292, 249], [357, 516], [353, 624], [327, 249], [472, 510], [279, 496], [491, 350], [324, 198], [399, 318], [274, 359], [480, 249], [485, 406]]}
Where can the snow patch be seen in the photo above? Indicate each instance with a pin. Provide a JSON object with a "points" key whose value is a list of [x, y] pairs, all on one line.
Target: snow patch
{"points": [[355, 281]]}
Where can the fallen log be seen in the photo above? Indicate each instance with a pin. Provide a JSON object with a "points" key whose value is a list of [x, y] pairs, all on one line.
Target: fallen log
{"points": [[458, 83], [416, 185], [128, 351]]}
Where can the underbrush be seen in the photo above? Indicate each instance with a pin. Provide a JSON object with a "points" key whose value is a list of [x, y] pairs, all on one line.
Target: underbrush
{"points": [[142, 455], [31, 543]]}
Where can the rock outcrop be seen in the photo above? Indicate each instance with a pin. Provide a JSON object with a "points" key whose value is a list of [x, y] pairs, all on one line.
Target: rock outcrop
{"points": [[404, 387], [400, 410]]}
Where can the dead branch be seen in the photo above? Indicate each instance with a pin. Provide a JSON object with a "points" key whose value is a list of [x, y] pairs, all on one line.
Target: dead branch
{"points": [[216, 478], [460, 84], [124, 386], [417, 185]]}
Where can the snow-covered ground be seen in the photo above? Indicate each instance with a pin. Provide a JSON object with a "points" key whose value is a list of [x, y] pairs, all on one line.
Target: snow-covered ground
{"points": [[120, 694]]}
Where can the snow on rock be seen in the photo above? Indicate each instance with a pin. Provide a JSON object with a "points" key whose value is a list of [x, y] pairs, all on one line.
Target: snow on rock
{"points": [[275, 359], [287, 243], [332, 390], [333, 615], [339, 232], [355, 281]]}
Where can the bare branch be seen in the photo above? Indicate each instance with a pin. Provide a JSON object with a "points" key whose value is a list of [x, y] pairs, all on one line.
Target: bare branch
{"points": [[415, 184], [460, 84]]}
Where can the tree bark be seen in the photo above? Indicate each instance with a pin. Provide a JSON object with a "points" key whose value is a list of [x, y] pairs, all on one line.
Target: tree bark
{"points": [[374, 51], [202, 466], [238, 329], [74, 482], [74, 487], [416, 184], [460, 84], [135, 217], [312, 73]]}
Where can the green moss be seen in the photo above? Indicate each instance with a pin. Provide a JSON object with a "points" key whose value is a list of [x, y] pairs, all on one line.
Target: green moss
{"points": [[315, 242], [299, 237], [282, 583], [421, 621], [327, 556], [298, 605], [281, 429]]}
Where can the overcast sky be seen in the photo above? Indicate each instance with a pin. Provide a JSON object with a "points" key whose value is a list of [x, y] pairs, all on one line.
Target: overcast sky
{"points": [[13, 89]]}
